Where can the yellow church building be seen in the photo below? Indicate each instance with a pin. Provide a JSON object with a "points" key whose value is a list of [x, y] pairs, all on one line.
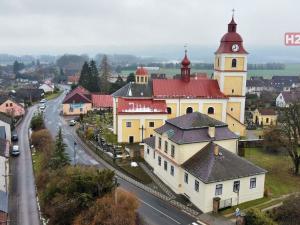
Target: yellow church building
{"points": [[144, 105]]}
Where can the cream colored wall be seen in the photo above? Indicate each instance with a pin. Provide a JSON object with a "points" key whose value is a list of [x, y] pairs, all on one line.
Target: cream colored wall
{"points": [[235, 126], [134, 130], [272, 119], [240, 65], [234, 109], [234, 83], [165, 176], [231, 145], [86, 107], [218, 110], [173, 107], [204, 198], [182, 152], [245, 193], [150, 130], [184, 106], [123, 132]]}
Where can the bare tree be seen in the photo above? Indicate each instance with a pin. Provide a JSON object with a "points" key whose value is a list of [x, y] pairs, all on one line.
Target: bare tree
{"points": [[290, 127]]}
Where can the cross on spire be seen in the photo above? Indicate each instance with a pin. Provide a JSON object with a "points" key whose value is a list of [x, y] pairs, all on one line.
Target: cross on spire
{"points": [[185, 48], [233, 10]]}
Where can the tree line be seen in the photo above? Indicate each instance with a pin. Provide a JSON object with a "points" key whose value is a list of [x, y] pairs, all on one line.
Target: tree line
{"points": [[75, 194]]}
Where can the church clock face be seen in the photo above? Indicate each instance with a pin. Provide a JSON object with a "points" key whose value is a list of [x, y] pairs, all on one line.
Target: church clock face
{"points": [[235, 47]]}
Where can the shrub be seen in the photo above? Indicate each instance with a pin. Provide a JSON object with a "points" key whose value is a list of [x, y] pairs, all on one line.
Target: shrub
{"points": [[37, 122], [255, 217]]}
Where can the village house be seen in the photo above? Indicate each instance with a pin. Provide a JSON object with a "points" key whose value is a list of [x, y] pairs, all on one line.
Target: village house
{"points": [[11, 107], [47, 88], [286, 98], [222, 98], [196, 156], [264, 117], [73, 79], [4, 180], [5, 126], [80, 101]]}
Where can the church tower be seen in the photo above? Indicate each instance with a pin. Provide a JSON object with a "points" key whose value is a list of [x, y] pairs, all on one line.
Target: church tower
{"points": [[185, 68], [230, 70], [141, 75]]}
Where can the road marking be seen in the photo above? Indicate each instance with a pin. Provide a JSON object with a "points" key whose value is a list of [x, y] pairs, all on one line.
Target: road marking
{"points": [[159, 211]]}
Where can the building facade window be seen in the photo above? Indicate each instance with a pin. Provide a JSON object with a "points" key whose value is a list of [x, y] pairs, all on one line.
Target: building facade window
{"points": [[159, 142], [159, 160], [151, 124], [166, 147], [81, 109], [165, 165], [252, 182], [169, 110], [71, 109], [148, 150], [219, 188], [131, 139], [189, 110], [128, 124], [210, 110], [142, 79], [10, 104], [236, 186], [153, 154], [172, 151], [267, 120], [196, 185], [6, 104], [186, 178], [172, 170], [233, 63]]}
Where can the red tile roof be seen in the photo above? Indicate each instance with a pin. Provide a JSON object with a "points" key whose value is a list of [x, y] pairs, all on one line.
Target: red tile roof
{"points": [[141, 106], [202, 88], [73, 79], [78, 94], [141, 71], [267, 112], [102, 101]]}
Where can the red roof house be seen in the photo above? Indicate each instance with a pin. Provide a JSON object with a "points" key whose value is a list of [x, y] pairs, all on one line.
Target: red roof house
{"points": [[102, 101]]}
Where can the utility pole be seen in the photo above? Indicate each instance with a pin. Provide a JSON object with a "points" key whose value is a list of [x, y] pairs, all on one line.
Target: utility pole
{"points": [[75, 153]]}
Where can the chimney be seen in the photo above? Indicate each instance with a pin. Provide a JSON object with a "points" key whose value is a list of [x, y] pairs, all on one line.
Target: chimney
{"points": [[211, 132], [216, 150]]}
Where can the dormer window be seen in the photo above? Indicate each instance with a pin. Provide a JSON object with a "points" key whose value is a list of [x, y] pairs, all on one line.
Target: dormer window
{"points": [[189, 110]]}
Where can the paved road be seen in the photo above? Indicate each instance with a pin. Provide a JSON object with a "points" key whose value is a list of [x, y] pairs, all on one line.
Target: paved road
{"points": [[153, 210], [22, 205]]}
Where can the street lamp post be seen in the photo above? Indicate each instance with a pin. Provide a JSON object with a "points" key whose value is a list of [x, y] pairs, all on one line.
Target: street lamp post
{"points": [[75, 153]]}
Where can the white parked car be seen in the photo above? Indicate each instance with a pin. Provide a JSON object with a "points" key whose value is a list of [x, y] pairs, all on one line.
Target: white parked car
{"points": [[15, 150], [43, 100], [42, 106], [72, 122]]}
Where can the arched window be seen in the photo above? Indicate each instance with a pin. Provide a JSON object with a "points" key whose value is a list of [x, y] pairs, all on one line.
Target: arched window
{"points": [[233, 63], [169, 109], [210, 110], [189, 110]]}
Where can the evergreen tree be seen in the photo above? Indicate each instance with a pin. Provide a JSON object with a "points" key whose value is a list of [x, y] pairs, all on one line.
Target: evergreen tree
{"points": [[130, 78], [84, 76], [59, 158], [94, 83], [105, 72], [117, 85]]}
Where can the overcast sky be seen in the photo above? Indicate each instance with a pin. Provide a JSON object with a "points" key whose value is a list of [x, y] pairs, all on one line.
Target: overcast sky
{"points": [[90, 26]]}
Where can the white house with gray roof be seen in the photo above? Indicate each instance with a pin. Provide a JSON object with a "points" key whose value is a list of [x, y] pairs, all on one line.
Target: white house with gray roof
{"points": [[196, 156]]}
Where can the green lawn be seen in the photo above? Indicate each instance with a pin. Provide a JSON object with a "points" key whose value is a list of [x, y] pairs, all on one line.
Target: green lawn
{"points": [[137, 172], [290, 69], [53, 95], [279, 179]]}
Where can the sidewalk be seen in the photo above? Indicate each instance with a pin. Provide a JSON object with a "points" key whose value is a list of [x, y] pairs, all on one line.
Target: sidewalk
{"points": [[215, 219]]}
